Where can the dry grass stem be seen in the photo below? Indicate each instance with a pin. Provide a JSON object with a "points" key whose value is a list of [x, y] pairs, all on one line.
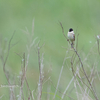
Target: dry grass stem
{"points": [[60, 75], [41, 73], [93, 91]]}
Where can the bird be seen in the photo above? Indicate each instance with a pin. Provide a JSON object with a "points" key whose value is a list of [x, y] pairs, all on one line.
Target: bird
{"points": [[71, 36]]}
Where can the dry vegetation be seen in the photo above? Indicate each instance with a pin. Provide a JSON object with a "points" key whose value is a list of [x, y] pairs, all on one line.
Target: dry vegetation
{"points": [[83, 79]]}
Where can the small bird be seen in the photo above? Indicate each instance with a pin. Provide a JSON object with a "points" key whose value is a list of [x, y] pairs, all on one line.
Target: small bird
{"points": [[71, 36]]}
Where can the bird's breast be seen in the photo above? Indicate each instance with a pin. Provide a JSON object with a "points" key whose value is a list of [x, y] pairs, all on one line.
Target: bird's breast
{"points": [[71, 36]]}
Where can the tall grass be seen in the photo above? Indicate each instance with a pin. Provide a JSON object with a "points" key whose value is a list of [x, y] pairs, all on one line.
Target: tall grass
{"points": [[83, 80]]}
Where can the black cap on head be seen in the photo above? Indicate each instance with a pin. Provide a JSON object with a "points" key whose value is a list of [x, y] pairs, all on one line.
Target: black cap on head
{"points": [[70, 30]]}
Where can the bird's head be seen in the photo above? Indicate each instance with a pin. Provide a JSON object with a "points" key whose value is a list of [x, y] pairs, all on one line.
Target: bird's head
{"points": [[70, 30]]}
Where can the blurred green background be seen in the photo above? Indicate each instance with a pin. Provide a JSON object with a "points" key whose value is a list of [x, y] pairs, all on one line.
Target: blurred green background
{"points": [[81, 15]]}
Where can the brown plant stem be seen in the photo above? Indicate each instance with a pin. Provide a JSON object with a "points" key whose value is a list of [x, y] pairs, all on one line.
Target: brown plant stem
{"points": [[94, 93]]}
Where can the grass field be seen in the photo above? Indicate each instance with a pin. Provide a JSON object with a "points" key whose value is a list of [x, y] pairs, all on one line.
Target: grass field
{"points": [[42, 18]]}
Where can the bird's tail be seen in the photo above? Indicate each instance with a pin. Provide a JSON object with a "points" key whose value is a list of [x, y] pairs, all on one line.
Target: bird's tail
{"points": [[72, 45]]}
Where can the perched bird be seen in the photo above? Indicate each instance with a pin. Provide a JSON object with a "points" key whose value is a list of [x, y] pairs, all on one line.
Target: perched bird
{"points": [[71, 36]]}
